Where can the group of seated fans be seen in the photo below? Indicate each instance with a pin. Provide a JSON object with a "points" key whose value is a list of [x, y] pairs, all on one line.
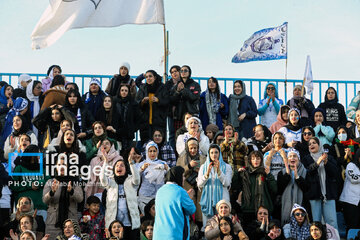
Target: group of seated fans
{"points": [[287, 177]]}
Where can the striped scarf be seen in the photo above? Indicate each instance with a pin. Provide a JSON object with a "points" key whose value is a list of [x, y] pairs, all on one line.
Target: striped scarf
{"points": [[78, 118]]}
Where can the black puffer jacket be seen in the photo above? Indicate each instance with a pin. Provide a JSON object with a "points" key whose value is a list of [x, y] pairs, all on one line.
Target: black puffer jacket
{"points": [[187, 100]]}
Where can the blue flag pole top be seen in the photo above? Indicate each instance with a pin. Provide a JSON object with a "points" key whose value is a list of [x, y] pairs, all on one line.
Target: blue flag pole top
{"points": [[263, 45]]}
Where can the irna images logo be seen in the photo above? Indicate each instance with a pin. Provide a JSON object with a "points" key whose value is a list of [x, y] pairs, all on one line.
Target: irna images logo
{"points": [[14, 155]]}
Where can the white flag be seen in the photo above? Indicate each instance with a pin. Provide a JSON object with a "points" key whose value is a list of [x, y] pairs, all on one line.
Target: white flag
{"points": [[308, 77], [63, 15], [266, 44]]}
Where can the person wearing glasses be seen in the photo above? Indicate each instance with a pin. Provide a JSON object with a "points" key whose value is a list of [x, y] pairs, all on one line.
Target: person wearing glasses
{"points": [[304, 105], [299, 225], [269, 107], [303, 146], [185, 96], [23, 81]]}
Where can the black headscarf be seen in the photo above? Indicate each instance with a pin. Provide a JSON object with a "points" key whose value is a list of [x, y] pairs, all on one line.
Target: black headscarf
{"points": [[121, 179], [175, 174], [151, 88], [30, 162], [335, 100], [24, 126], [356, 158]]}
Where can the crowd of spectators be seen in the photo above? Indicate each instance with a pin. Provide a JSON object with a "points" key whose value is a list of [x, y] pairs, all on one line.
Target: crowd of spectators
{"points": [[72, 168]]}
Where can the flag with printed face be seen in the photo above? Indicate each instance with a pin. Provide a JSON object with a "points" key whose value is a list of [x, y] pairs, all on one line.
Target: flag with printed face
{"points": [[63, 15], [308, 77], [266, 44]]}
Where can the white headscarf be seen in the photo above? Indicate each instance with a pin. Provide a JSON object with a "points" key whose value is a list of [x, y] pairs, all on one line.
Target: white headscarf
{"points": [[35, 99]]}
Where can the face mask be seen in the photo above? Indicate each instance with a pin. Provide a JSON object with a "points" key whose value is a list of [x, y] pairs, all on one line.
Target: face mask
{"points": [[342, 136]]}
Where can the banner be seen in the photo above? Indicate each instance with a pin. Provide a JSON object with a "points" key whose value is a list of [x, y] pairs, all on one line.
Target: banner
{"points": [[266, 44], [308, 77], [63, 15]]}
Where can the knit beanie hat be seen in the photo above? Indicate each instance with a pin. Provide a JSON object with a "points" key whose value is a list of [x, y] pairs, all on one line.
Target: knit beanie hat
{"points": [[212, 128], [223, 201], [125, 64], [295, 207], [95, 81]]}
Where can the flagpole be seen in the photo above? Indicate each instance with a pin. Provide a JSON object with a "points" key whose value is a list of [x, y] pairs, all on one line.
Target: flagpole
{"points": [[165, 54], [286, 61]]}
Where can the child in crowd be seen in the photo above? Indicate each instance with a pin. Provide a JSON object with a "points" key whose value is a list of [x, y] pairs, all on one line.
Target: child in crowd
{"points": [[92, 221]]}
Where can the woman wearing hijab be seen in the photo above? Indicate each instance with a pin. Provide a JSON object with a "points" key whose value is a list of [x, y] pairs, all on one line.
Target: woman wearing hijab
{"points": [[75, 105], [48, 122], [304, 105], [125, 113], [152, 171], [6, 102], [20, 107], [34, 184], [93, 144], [12, 142], [191, 160], [257, 185], [299, 226], [321, 182], [166, 152], [325, 133], [276, 157], [173, 207], [242, 110], [213, 105], [106, 113], [123, 78], [350, 195], [23, 82], [269, 106], [62, 194], [292, 131], [214, 181], [282, 119], [212, 228], [291, 184], [121, 202], [303, 146], [261, 141], [153, 100], [335, 112], [108, 151], [194, 129], [52, 72], [35, 97], [71, 230]]}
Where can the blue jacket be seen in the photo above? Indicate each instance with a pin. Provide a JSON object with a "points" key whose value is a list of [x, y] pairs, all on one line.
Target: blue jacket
{"points": [[173, 208], [222, 114], [269, 112], [247, 106]]}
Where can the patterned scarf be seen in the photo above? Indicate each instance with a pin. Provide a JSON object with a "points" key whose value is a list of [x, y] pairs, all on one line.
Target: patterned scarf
{"points": [[78, 118], [212, 193], [212, 106], [299, 232]]}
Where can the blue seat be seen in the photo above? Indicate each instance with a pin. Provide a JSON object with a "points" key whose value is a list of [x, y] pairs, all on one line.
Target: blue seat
{"points": [[353, 233]]}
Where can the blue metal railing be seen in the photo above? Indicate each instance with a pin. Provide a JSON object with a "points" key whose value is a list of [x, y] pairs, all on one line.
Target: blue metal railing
{"points": [[255, 87]]}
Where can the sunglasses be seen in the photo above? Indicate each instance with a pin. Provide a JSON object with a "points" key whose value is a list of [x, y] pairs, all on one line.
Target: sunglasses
{"points": [[270, 88], [300, 214], [184, 70], [307, 133]]}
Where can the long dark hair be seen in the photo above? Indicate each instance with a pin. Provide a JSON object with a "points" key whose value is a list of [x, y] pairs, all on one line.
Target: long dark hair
{"points": [[74, 146], [78, 103], [217, 88], [58, 80], [228, 220]]}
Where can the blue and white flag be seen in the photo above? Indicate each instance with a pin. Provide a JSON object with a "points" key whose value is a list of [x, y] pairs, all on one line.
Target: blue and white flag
{"points": [[266, 44]]}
